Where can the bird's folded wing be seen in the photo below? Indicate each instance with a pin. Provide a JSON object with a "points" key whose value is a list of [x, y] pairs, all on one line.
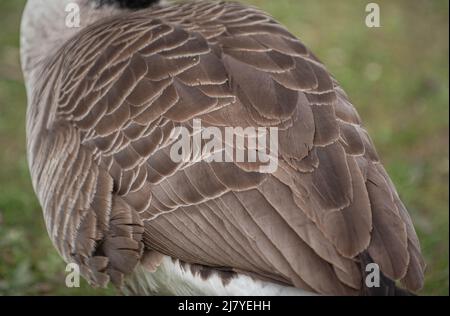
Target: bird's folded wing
{"points": [[128, 82]]}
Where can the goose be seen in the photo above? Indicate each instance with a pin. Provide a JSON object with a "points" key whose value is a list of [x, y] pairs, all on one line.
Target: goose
{"points": [[106, 100]]}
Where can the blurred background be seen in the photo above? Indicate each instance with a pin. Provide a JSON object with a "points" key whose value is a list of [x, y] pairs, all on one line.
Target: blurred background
{"points": [[396, 76]]}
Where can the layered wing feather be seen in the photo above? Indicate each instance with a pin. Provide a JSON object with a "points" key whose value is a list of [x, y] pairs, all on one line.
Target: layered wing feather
{"points": [[125, 84]]}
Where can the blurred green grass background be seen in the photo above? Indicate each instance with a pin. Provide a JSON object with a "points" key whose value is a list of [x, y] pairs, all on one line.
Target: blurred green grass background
{"points": [[396, 75]]}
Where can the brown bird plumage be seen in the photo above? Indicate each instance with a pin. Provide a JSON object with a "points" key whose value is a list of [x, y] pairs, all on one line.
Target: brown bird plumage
{"points": [[99, 127]]}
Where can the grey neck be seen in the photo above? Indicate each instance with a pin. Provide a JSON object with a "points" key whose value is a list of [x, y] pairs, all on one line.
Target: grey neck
{"points": [[48, 24]]}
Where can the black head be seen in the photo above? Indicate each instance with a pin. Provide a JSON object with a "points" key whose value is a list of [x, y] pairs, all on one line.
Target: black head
{"points": [[129, 4]]}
